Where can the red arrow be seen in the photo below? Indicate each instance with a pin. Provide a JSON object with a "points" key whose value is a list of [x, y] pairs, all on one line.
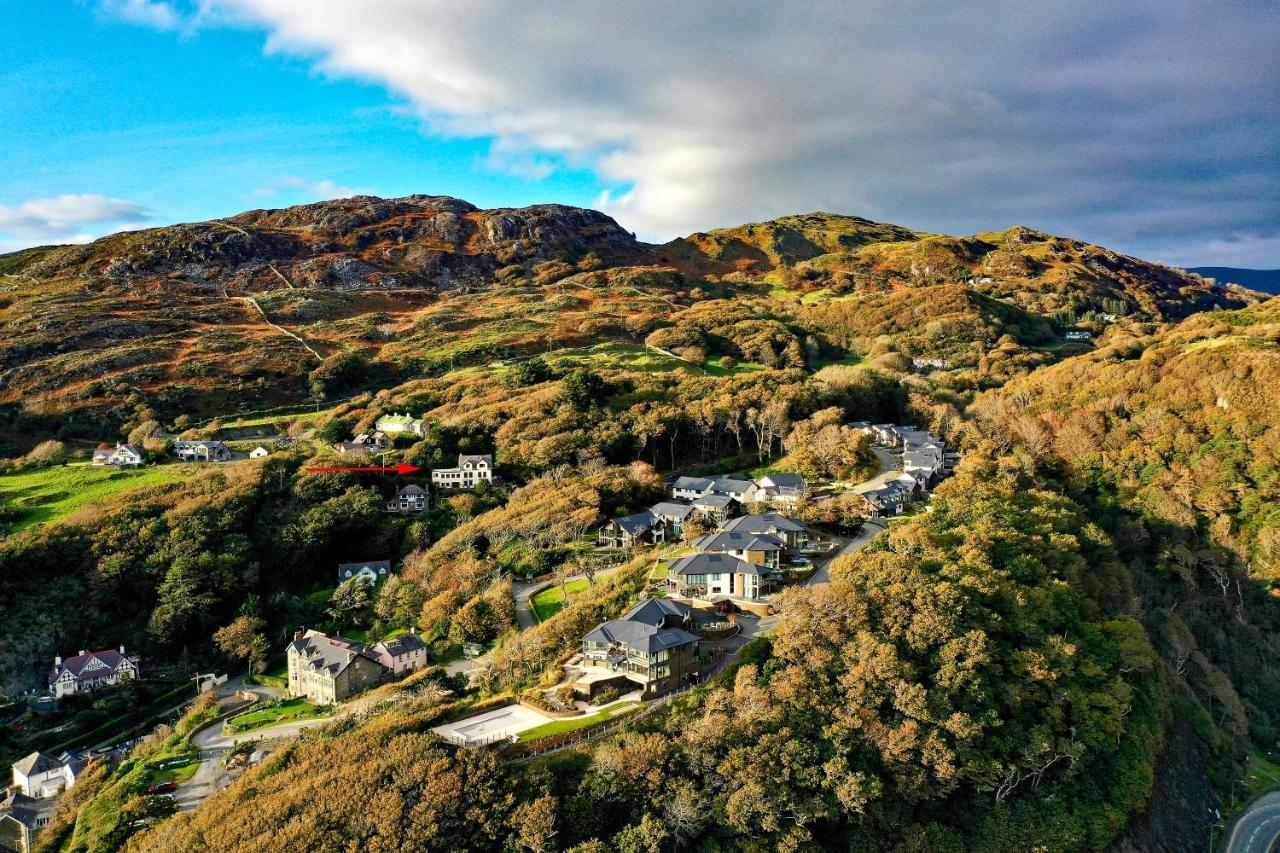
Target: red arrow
{"points": [[400, 469]]}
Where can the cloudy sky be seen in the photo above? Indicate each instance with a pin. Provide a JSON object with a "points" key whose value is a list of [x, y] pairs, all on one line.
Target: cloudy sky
{"points": [[1150, 126]]}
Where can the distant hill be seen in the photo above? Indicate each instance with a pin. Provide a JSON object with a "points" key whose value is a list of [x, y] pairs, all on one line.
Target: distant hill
{"points": [[1267, 281], [206, 318]]}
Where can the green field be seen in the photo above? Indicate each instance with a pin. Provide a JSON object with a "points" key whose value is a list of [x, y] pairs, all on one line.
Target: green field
{"points": [[51, 494], [549, 602], [616, 356], [288, 711], [713, 368], [604, 715]]}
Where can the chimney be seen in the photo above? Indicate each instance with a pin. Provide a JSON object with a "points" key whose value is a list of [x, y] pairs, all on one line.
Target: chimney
{"points": [[83, 652], [57, 660], [297, 635], [122, 649]]}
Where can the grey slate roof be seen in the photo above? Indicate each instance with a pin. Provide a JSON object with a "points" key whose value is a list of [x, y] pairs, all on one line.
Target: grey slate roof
{"points": [[36, 762], [697, 484], [671, 509], [736, 540], [713, 564], [638, 522], [713, 502], [77, 664], [655, 611], [769, 522], [401, 645], [334, 654], [639, 636]]}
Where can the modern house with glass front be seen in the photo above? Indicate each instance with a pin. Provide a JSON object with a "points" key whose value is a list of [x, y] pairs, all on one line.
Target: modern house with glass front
{"points": [[649, 646]]}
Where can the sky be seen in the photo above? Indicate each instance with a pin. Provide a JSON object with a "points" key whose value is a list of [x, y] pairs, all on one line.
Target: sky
{"points": [[1152, 127]]}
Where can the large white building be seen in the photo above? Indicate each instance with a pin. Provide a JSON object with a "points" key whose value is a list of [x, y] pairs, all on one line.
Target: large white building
{"points": [[472, 470]]}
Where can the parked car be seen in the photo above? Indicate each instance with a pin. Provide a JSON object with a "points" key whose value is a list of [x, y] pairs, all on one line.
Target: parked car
{"points": [[800, 561], [163, 788]]}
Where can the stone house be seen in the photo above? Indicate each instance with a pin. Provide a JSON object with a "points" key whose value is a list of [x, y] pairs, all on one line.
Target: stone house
{"points": [[763, 550], [202, 451], [328, 669], [396, 423]]}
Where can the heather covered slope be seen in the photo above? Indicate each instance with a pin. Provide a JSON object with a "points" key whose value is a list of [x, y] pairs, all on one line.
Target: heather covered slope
{"points": [[274, 307]]}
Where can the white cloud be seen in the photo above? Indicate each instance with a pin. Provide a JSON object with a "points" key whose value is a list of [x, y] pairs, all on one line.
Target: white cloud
{"points": [[1087, 118], [149, 13], [300, 188], [62, 219]]}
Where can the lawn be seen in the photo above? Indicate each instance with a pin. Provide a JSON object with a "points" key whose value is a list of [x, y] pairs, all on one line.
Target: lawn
{"points": [[616, 356], [550, 601], [604, 715], [287, 711], [52, 494], [179, 774], [713, 368]]}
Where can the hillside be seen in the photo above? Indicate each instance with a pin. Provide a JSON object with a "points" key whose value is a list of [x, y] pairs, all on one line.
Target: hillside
{"points": [[274, 307]]}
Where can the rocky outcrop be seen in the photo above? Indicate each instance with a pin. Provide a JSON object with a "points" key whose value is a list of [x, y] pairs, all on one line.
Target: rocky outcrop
{"points": [[1180, 813], [358, 243]]}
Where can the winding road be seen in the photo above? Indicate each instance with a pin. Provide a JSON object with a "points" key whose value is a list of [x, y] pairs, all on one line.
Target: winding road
{"points": [[1258, 828]]}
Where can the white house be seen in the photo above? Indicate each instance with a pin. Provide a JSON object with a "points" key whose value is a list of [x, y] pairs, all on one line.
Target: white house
{"points": [[371, 570], [124, 455], [412, 498], [40, 775], [1078, 335], [91, 670], [259, 452], [472, 470]]}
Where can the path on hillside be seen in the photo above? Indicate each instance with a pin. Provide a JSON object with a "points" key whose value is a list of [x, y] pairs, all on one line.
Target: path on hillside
{"points": [[281, 329], [890, 469], [1257, 829]]}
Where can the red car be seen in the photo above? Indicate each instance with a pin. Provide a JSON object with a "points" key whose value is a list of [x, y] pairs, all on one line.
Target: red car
{"points": [[163, 788]]}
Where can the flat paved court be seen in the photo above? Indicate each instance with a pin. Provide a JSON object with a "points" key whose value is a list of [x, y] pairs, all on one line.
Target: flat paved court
{"points": [[498, 724]]}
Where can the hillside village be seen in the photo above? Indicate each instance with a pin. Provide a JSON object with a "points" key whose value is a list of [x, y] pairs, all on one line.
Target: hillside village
{"points": [[698, 509]]}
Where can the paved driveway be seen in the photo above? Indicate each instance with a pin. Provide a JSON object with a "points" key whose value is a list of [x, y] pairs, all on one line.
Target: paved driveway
{"points": [[869, 530]]}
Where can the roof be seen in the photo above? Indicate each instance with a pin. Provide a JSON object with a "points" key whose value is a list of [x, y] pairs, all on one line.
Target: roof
{"points": [[406, 418], [655, 611], [110, 658], [37, 762], [212, 443], [25, 810], [332, 654], [712, 564], [639, 635], [412, 489], [731, 483], [736, 540], [783, 481], [401, 645], [713, 501], [671, 509], [769, 522], [464, 458], [695, 484], [373, 564], [637, 523]]}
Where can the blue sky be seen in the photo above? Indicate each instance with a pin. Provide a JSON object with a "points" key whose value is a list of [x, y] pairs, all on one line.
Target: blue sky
{"points": [[201, 124], [1151, 127]]}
